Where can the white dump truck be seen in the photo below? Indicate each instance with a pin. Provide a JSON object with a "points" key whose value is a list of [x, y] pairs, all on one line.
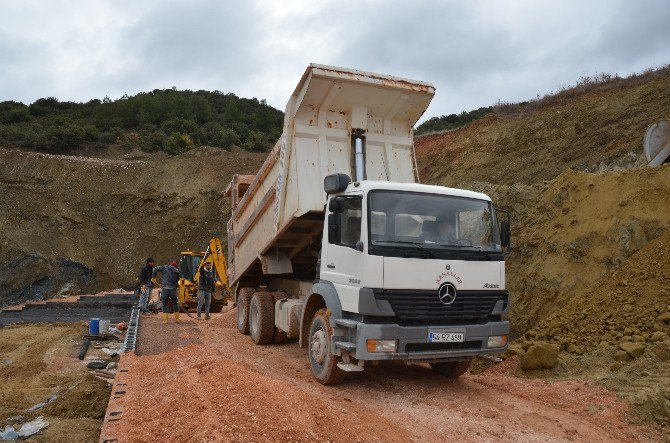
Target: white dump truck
{"points": [[335, 243]]}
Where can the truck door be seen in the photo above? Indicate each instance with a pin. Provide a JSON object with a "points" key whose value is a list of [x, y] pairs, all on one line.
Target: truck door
{"points": [[343, 261]]}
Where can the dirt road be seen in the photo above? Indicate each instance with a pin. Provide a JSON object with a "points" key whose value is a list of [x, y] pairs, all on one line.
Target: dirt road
{"points": [[203, 381]]}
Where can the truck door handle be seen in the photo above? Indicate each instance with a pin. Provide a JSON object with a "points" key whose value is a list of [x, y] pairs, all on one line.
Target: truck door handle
{"points": [[331, 266]]}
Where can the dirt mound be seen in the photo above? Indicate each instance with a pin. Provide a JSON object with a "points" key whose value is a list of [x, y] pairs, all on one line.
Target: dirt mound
{"points": [[595, 131], [97, 219], [625, 302], [614, 331], [584, 226]]}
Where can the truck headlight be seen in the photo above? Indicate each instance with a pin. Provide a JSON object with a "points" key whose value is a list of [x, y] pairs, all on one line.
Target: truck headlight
{"points": [[497, 341], [382, 345]]}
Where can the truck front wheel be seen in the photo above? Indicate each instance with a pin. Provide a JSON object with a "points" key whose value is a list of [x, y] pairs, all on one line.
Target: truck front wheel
{"points": [[261, 318], [243, 300], [321, 359], [452, 369]]}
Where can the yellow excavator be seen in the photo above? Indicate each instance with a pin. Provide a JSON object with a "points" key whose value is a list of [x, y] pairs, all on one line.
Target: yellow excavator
{"points": [[191, 264]]}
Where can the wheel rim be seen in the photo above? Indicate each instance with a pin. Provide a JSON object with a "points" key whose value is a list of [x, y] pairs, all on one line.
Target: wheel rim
{"points": [[254, 318], [318, 346], [240, 313]]}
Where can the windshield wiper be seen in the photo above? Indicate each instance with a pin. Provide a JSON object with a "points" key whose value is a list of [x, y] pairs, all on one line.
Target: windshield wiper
{"points": [[477, 248], [418, 245]]}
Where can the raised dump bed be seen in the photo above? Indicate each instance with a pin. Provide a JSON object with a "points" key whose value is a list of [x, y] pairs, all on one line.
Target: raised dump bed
{"points": [[278, 214]]}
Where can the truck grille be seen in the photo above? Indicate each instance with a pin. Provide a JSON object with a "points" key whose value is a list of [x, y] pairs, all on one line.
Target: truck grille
{"points": [[424, 308]]}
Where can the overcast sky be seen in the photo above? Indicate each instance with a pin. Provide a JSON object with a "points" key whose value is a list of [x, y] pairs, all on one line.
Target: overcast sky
{"points": [[474, 52]]}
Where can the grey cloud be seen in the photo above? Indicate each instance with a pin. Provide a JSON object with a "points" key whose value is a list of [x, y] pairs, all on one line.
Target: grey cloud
{"points": [[475, 52]]}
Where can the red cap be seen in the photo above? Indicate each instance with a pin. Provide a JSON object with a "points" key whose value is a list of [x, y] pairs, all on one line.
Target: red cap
{"points": [[173, 263]]}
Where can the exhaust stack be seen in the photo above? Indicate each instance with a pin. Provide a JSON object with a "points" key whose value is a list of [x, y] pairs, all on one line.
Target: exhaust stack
{"points": [[360, 159]]}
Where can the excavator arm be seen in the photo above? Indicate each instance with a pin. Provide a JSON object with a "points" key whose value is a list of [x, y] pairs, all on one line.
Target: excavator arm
{"points": [[214, 255], [188, 284]]}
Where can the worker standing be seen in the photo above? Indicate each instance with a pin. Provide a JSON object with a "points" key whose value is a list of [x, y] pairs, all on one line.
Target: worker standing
{"points": [[205, 289], [146, 273], [169, 292]]}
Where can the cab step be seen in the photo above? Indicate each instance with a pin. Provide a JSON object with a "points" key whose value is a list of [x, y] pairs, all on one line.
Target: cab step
{"points": [[346, 346], [346, 323], [349, 367]]}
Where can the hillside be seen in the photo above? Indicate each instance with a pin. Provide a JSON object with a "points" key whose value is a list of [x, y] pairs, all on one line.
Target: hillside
{"points": [[161, 120], [84, 224], [590, 132]]}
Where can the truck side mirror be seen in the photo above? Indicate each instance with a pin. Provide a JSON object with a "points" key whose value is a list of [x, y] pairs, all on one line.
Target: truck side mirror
{"points": [[505, 233], [334, 232], [336, 183]]}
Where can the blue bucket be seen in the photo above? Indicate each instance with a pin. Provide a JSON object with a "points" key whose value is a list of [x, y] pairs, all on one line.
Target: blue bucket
{"points": [[94, 326]]}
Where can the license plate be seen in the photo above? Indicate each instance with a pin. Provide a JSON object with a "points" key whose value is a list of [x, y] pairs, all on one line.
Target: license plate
{"points": [[446, 337]]}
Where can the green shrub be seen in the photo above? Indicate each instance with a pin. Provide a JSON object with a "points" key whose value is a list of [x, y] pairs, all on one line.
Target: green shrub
{"points": [[65, 136], [91, 133], [256, 142], [19, 114], [155, 142], [213, 134], [178, 143]]}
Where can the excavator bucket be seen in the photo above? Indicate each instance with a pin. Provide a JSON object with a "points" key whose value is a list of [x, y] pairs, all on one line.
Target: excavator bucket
{"points": [[657, 143]]}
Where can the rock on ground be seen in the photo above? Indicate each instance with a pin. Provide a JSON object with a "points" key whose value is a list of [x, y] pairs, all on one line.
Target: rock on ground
{"points": [[540, 356]]}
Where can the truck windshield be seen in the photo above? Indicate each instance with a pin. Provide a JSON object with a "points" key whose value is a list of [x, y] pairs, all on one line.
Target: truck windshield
{"points": [[433, 222]]}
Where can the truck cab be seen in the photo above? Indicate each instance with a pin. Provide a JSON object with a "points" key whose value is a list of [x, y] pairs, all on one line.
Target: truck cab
{"points": [[419, 272]]}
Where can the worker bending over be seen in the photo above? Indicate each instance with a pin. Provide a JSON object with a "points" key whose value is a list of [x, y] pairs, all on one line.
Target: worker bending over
{"points": [[205, 289], [146, 273], [169, 288]]}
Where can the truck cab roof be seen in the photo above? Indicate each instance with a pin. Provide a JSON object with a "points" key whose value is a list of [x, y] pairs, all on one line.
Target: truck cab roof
{"points": [[370, 185]]}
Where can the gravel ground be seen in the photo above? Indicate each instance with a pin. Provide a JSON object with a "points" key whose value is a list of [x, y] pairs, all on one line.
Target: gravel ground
{"points": [[206, 382]]}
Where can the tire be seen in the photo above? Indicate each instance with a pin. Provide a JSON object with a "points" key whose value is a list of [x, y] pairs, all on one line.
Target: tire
{"points": [[452, 369], [261, 318], [322, 361], [243, 300]]}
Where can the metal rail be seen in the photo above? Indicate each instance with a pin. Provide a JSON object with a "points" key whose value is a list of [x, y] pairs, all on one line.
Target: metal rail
{"points": [[133, 328]]}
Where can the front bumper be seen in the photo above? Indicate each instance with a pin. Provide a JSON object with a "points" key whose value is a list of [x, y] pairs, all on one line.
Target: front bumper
{"points": [[413, 341]]}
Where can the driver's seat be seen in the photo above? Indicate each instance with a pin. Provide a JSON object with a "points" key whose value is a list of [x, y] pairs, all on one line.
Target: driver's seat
{"points": [[429, 230]]}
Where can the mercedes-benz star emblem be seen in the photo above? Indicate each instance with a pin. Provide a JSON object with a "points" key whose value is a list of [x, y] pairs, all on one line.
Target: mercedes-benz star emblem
{"points": [[446, 293]]}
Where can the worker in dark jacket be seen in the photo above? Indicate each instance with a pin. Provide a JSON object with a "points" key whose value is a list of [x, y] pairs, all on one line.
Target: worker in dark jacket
{"points": [[205, 288], [146, 284], [169, 285]]}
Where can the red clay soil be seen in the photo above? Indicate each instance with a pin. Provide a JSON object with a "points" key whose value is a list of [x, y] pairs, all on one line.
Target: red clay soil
{"points": [[211, 383]]}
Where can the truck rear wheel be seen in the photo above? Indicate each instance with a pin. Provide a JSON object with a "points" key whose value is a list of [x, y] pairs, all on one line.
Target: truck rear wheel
{"points": [[243, 300], [452, 369], [321, 359], [261, 318]]}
